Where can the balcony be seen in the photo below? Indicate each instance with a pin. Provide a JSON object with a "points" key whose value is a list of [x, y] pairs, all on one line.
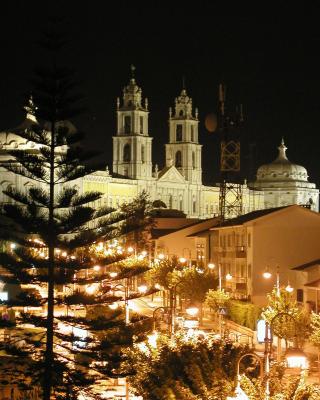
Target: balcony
{"points": [[241, 252]]}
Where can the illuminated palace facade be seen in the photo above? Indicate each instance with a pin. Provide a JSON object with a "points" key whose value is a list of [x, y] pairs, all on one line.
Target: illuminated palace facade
{"points": [[179, 183]]}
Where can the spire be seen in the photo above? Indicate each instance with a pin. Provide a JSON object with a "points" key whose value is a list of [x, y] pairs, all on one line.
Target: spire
{"points": [[183, 82], [183, 105], [132, 93], [132, 68], [282, 152]]}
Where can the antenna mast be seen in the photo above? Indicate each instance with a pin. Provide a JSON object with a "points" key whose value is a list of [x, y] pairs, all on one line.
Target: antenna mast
{"points": [[230, 194]]}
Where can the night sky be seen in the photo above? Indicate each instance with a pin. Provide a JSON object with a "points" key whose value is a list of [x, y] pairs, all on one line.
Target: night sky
{"points": [[269, 62]]}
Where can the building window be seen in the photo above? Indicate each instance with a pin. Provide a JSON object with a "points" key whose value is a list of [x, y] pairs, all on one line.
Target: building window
{"points": [[178, 159], [180, 203], [249, 239], [194, 205], [127, 124], [192, 133], [193, 160], [170, 201], [179, 133], [126, 153], [141, 124], [300, 295], [207, 208], [142, 154]]}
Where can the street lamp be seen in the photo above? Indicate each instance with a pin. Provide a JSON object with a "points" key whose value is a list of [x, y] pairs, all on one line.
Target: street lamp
{"points": [[295, 357], [125, 288], [240, 394], [192, 310], [267, 275], [163, 309]]}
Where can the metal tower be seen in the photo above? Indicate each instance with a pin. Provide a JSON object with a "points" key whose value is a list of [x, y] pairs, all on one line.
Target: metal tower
{"points": [[229, 125]]}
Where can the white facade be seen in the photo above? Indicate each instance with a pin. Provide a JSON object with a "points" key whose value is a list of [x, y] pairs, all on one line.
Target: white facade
{"points": [[179, 183], [285, 183]]}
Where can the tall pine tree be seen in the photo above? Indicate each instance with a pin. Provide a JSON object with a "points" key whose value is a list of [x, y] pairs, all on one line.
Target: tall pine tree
{"points": [[65, 247]]}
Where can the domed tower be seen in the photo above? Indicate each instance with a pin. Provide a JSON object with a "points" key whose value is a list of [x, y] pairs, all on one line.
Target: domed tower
{"points": [[183, 149], [132, 144], [285, 183]]}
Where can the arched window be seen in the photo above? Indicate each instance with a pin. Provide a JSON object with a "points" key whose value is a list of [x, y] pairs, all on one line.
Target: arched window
{"points": [[194, 206], [179, 133], [193, 160], [126, 153], [127, 124], [178, 159], [181, 113], [192, 133], [141, 124], [142, 154]]}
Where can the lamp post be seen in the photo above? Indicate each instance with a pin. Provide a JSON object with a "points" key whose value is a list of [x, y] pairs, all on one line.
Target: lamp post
{"points": [[163, 309], [240, 394], [295, 357], [173, 305], [125, 288], [227, 277], [189, 255], [267, 275]]}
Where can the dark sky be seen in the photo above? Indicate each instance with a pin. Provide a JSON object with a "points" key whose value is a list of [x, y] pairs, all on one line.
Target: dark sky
{"points": [[269, 62]]}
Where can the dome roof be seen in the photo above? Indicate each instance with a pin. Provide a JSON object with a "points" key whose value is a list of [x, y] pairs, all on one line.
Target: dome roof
{"points": [[281, 169]]}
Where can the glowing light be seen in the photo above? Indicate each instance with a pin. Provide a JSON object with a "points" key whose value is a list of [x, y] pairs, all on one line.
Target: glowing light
{"points": [[161, 256], [90, 289], [152, 339], [142, 288], [99, 247], [228, 277], [96, 268], [182, 260], [192, 311], [199, 270], [73, 257], [211, 266], [4, 296], [64, 254], [82, 335], [58, 251], [158, 286], [144, 253], [296, 359], [289, 288], [130, 249], [113, 306], [13, 246], [267, 275], [240, 394], [113, 274]]}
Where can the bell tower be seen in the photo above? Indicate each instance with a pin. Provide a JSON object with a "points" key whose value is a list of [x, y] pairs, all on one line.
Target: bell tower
{"points": [[183, 149], [132, 156]]}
